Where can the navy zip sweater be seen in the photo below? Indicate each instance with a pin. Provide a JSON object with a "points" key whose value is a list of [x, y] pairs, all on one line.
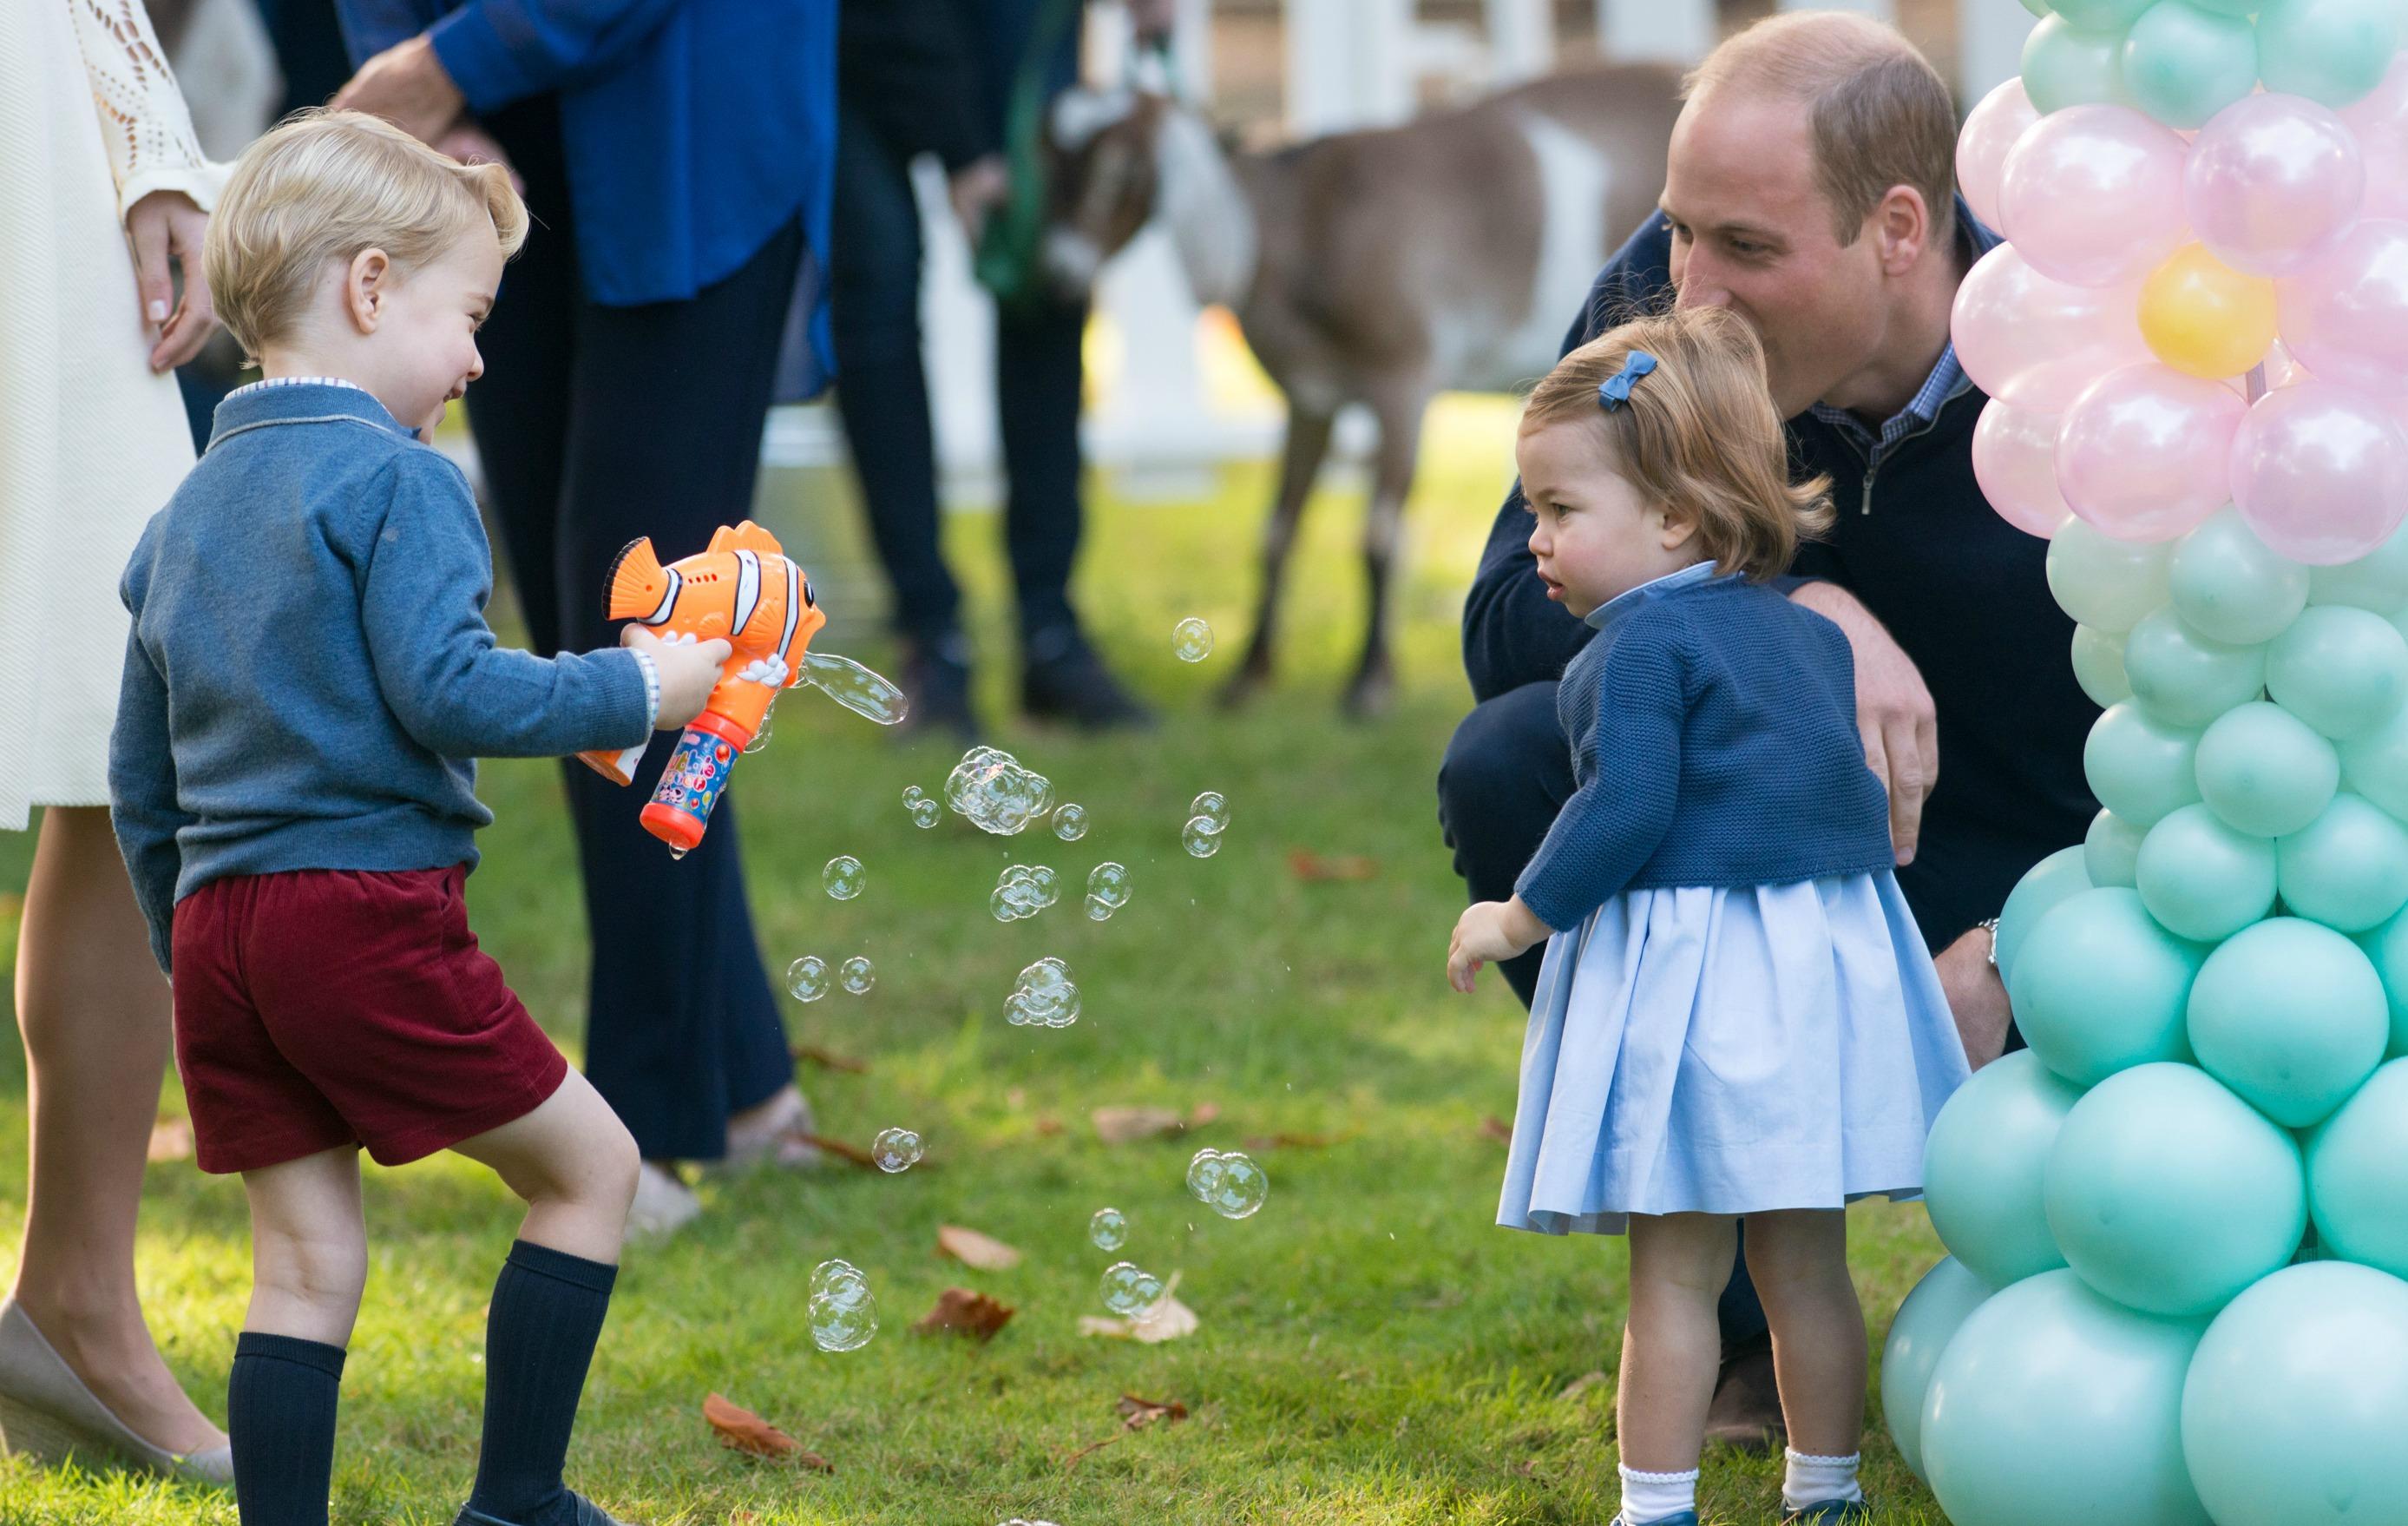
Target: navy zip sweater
{"points": [[1964, 593]]}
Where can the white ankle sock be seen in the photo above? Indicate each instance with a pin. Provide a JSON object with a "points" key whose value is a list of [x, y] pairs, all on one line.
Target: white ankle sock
{"points": [[1652, 1496], [1811, 1480]]}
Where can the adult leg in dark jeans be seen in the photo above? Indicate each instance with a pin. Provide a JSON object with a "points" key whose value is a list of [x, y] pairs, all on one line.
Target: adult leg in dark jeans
{"points": [[596, 425], [1507, 771]]}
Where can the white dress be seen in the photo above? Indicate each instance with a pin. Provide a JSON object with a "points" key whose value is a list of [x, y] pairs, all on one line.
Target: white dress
{"points": [[92, 443]]}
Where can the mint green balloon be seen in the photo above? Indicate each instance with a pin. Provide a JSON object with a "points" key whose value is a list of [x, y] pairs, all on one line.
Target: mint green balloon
{"points": [[2054, 1404], [2295, 1402], [2100, 987], [2101, 15], [2290, 1014], [2377, 764], [2343, 671], [2377, 580], [2111, 851], [2228, 585], [2185, 678], [2183, 65], [2386, 948], [2358, 1173], [2066, 66], [2037, 7], [2139, 766], [2098, 667], [2348, 869], [2238, 10], [1930, 1314], [2264, 771], [2331, 51], [2201, 879], [2061, 874], [2105, 584], [2168, 1194], [1982, 1166]]}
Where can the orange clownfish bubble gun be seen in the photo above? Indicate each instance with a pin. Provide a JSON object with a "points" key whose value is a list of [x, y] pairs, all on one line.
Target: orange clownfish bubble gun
{"points": [[743, 589]]}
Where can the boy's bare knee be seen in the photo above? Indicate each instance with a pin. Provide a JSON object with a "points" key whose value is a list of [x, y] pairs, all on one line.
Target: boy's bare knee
{"points": [[323, 1273], [618, 1166]]}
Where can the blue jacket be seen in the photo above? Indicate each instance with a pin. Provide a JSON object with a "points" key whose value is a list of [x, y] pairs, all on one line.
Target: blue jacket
{"points": [[1713, 733], [309, 676], [694, 129]]}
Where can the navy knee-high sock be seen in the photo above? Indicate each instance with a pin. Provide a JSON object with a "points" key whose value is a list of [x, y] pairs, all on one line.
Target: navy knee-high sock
{"points": [[547, 1314], [280, 1418]]}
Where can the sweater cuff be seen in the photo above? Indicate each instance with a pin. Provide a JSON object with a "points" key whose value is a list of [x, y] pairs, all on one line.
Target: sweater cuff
{"points": [[1543, 903], [652, 688], [479, 62]]}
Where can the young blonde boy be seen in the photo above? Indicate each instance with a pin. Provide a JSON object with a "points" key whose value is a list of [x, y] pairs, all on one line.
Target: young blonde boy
{"points": [[308, 680]]}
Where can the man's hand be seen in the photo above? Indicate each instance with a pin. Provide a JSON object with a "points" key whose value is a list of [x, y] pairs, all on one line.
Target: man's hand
{"points": [[406, 86], [1976, 996], [165, 226], [1490, 930], [472, 145], [976, 190], [1894, 712]]}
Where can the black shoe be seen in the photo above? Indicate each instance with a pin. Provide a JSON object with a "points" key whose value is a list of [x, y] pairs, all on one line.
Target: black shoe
{"points": [[937, 680], [577, 1509], [1074, 686], [1747, 1408]]}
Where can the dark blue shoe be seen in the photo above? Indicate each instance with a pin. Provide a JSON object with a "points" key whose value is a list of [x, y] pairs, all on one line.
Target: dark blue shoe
{"points": [[1829, 1513], [569, 1507], [1686, 1518]]}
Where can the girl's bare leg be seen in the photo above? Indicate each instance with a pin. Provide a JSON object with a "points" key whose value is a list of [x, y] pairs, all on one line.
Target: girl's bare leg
{"points": [[1799, 1261], [1672, 1348]]}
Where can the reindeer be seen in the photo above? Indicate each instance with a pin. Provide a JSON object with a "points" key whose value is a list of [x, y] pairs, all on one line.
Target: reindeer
{"points": [[1377, 267]]}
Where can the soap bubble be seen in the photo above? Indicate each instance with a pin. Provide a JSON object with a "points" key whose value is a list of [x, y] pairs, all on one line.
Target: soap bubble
{"points": [[1109, 882], [1070, 821], [1191, 639], [1130, 1289], [839, 1326], [806, 978], [856, 688], [1098, 909], [761, 738], [897, 1149], [1049, 885], [857, 975], [1212, 809], [844, 877], [924, 813], [1021, 891], [1046, 997], [1237, 1187], [914, 795], [1204, 1175], [991, 788], [1109, 1229], [1200, 838], [829, 1275]]}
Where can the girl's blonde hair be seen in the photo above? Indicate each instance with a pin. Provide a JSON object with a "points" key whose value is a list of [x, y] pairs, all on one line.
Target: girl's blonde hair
{"points": [[324, 185], [1697, 435]]}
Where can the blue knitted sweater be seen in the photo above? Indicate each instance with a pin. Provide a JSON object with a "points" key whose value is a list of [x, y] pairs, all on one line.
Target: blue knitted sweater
{"points": [[1713, 734]]}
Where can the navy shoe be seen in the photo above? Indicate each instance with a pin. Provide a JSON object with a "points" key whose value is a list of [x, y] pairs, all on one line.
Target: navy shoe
{"points": [[586, 1513], [1686, 1518], [1829, 1513]]}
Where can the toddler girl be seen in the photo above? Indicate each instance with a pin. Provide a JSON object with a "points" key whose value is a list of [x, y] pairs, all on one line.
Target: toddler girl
{"points": [[1736, 1021]]}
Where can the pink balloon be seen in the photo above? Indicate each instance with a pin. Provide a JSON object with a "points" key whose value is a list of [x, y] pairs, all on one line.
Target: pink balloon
{"points": [[2015, 459], [2274, 181], [2320, 472], [2143, 452], [1990, 131], [2038, 342], [2345, 316], [2380, 124], [2095, 195]]}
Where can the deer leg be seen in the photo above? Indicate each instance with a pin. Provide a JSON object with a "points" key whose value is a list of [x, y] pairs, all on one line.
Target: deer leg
{"points": [[1307, 442], [1392, 479]]}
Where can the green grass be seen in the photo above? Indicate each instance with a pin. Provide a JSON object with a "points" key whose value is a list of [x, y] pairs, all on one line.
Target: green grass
{"points": [[1372, 1349]]}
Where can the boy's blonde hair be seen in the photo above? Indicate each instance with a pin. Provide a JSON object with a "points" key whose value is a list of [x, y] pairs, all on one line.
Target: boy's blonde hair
{"points": [[1698, 434], [324, 185]]}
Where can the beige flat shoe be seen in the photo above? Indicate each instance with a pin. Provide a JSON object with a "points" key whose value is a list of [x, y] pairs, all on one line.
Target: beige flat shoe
{"points": [[773, 1132], [663, 1205], [46, 1413]]}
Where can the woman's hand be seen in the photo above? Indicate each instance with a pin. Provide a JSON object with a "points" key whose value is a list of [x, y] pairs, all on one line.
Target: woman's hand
{"points": [[470, 143], [165, 226], [405, 85], [1490, 930]]}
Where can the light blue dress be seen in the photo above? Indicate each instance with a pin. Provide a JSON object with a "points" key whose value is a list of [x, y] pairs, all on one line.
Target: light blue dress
{"points": [[1728, 1050]]}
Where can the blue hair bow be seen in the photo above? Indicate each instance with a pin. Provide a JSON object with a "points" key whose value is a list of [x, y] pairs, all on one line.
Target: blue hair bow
{"points": [[1616, 391]]}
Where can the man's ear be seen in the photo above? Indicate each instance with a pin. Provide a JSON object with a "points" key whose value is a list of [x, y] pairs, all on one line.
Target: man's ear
{"points": [[366, 282], [1902, 223]]}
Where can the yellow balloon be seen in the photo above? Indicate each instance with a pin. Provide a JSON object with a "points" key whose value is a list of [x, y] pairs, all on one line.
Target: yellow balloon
{"points": [[2201, 316]]}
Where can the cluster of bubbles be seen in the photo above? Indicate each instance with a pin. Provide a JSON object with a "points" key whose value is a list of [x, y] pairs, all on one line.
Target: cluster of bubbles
{"points": [[1130, 1289], [1108, 890], [808, 978], [1191, 639], [857, 975], [994, 793], [896, 1150], [844, 877], [924, 811], [1070, 821], [843, 1312], [1109, 1229], [1023, 890], [1208, 817], [1046, 997], [1227, 1182]]}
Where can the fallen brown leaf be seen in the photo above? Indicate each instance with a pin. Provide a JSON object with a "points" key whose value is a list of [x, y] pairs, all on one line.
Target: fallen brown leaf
{"points": [[1136, 1414], [1294, 1142], [1312, 867], [838, 1147], [171, 1139], [828, 1060], [1496, 1127], [1048, 1126], [971, 1248], [741, 1430], [1579, 1386], [965, 1313], [1125, 1125], [1167, 1321]]}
